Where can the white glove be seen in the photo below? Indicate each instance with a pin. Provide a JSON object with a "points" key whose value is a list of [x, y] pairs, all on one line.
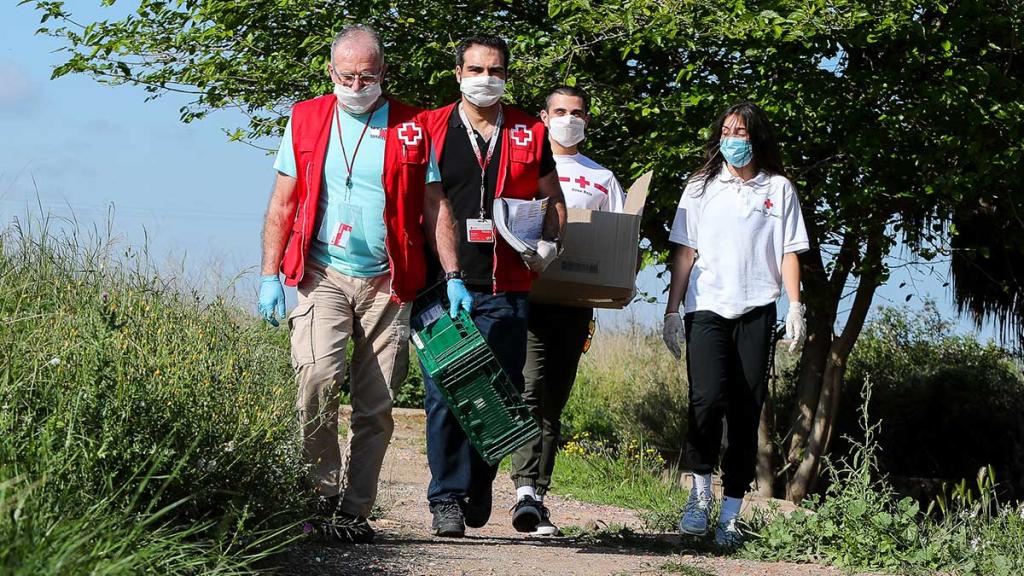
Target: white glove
{"points": [[545, 254], [673, 333], [796, 326]]}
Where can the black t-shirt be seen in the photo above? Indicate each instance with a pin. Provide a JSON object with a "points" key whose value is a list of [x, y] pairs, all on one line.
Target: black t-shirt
{"points": [[460, 178]]}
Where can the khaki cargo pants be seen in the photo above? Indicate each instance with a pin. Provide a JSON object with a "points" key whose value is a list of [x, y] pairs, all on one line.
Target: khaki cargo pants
{"points": [[332, 308]]}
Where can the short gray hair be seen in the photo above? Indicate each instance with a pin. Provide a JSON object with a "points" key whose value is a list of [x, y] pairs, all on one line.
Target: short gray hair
{"points": [[354, 31]]}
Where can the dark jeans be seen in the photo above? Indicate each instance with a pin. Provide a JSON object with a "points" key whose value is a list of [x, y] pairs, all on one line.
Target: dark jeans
{"points": [[553, 348], [456, 469], [727, 367]]}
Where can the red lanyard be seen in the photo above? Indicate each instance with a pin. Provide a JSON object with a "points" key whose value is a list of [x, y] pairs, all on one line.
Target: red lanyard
{"points": [[480, 159], [350, 165]]}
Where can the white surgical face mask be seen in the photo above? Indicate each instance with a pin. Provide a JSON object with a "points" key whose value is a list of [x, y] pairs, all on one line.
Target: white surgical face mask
{"points": [[482, 91], [567, 130], [357, 102]]}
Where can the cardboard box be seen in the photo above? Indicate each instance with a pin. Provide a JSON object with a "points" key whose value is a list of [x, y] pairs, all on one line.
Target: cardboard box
{"points": [[599, 263]]}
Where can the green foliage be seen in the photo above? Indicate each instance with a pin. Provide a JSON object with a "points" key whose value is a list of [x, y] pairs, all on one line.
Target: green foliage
{"points": [[948, 404], [630, 474], [860, 525], [628, 387], [411, 392], [142, 429], [933, 88]]}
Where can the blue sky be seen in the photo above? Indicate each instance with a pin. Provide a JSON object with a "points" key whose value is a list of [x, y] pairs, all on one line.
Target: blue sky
{"points": [[79, 147]]}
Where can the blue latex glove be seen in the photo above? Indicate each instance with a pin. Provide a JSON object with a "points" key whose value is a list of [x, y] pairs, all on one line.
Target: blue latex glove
{"points": [[271, 299], [459, 297]]}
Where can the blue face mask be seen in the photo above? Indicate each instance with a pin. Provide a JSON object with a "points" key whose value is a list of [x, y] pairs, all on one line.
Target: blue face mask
{"points": [[736, 151]]}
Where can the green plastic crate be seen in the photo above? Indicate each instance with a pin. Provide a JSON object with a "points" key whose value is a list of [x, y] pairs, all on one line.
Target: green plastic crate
{"points": [[469, 377], [444, 340]]}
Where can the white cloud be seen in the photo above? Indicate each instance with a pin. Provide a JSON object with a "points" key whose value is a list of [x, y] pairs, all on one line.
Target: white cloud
{"points": [[18, 92]]}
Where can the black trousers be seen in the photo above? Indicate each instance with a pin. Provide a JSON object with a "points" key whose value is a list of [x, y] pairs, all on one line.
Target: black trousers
{"points": [[727, 366], [553, 347]]}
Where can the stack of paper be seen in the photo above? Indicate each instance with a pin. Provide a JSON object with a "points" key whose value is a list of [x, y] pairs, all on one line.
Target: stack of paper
{"points": [[520, 222]]}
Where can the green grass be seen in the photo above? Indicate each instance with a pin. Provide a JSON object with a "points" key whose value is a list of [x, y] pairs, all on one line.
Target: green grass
{"points": [[143, 427], [858, 525], [630, 475]]}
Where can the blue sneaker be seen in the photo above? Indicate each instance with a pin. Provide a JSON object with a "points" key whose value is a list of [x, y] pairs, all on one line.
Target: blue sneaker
{"points": [[728, 535], [694, 521]]}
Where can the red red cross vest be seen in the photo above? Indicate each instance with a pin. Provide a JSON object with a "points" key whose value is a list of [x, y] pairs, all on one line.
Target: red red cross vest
{"points": [[522, 139], [406, 149]]}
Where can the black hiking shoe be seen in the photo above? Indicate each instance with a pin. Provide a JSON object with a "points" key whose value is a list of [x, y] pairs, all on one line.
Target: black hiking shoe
{"points": [[326, 506], [348, 529], [477, 509], [448, 521], [545, 527], [526, 514]]}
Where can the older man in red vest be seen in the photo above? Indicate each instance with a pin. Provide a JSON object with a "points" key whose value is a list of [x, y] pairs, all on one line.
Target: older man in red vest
{"points": [[345, 226]]}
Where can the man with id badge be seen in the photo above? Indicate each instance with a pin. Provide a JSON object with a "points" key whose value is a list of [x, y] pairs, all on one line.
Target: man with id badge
{"points": [[484, 151], [344, 226]]}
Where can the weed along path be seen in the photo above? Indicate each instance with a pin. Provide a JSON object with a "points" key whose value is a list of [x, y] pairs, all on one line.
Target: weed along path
{"points": [[608, 540]]}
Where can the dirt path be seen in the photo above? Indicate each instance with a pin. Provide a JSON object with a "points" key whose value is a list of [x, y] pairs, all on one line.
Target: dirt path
{"points": [[405, 546]]}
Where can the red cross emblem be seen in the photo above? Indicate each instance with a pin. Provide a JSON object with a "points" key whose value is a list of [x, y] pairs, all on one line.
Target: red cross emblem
{"points": [[768, 204], [410, 133], [582, 182], [521, 135]]}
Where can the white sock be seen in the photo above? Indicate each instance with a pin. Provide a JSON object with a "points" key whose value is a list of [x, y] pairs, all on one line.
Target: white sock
{"points": [[702, 485], [524, 491], [730, 509], [540, 498]]}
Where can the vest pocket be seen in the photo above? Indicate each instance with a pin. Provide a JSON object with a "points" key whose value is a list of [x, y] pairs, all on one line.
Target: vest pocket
{"points": [[414, 154], [522, 155]]}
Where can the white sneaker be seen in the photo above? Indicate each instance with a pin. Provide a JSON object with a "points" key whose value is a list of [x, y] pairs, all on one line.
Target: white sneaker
{"points": [[545, 527]]}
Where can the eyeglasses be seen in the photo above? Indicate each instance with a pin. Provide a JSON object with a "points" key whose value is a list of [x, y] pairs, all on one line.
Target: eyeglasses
{"points": [[348, 78]]}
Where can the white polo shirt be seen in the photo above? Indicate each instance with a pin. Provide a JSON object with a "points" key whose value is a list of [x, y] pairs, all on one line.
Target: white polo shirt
{"points": [[740, 231], [587, 184]]}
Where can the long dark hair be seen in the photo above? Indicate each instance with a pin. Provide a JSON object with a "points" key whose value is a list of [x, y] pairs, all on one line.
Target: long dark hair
{"points": [[762, 139]]}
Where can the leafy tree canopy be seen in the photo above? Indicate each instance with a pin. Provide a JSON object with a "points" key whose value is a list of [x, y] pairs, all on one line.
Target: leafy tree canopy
{"points": [[899, 119]]}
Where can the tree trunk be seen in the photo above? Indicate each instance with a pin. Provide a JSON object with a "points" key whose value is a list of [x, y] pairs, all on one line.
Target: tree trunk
{"points": [[806, 475], [765, 465], [821, 295]]}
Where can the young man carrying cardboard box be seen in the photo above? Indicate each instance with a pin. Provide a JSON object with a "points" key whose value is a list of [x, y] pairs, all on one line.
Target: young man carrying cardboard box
{"points": [[557, 332]]}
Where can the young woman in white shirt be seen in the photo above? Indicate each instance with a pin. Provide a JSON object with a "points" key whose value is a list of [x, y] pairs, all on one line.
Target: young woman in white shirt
{"points": [[739, 230]]}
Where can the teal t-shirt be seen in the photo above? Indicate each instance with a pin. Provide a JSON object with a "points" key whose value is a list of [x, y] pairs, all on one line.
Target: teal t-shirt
{"points": [[351, 234]]}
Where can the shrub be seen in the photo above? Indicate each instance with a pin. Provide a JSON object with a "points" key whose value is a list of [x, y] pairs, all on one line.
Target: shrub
{"points": [[135, 406], [949, 404], [628, 386], [861, 525]]}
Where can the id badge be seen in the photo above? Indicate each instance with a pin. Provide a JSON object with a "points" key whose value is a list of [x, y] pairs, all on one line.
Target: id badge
{"points": [[341, 236], [480, 230], [339, 226]]}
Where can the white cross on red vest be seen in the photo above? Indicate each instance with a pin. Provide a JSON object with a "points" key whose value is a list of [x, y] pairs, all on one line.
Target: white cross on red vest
{"points": [[521, 135], [410, 134]]}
